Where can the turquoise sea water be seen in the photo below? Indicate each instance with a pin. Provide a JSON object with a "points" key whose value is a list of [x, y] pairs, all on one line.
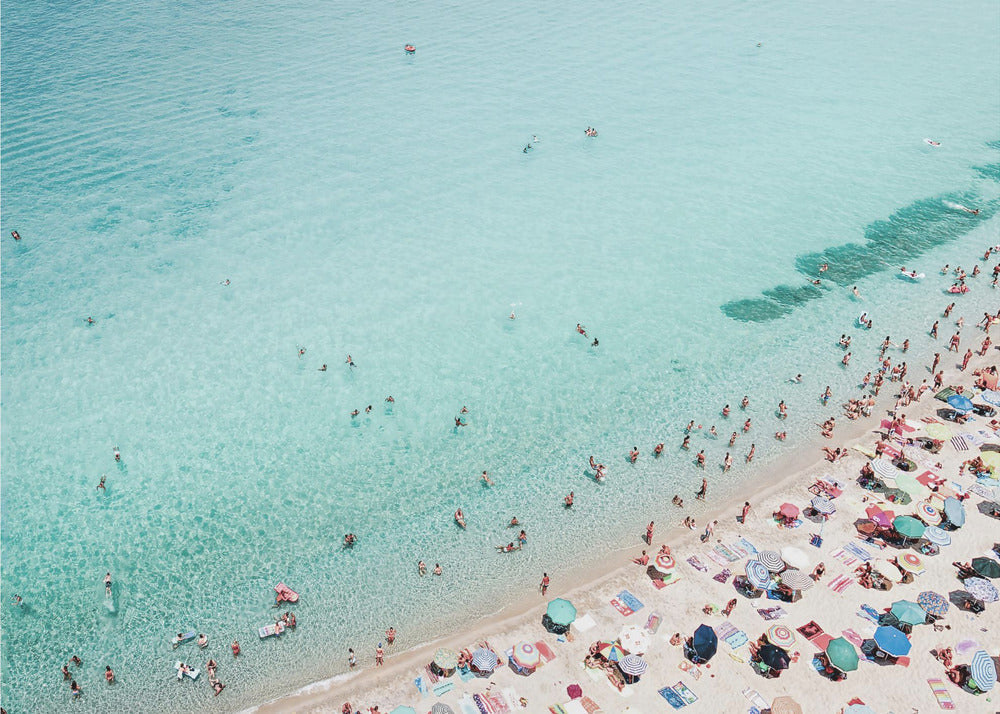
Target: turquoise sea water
{"points": [[367, 202]]}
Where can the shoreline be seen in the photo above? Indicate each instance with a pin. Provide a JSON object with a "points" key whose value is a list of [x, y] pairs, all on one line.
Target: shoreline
{"points": [[801, 465]]}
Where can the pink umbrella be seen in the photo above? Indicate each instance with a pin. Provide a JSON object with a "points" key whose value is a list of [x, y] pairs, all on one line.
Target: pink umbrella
{"points": [[789, 510]]}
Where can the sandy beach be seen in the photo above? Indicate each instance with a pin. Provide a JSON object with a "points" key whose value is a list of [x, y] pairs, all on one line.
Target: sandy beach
{"points": [[699, 588]]}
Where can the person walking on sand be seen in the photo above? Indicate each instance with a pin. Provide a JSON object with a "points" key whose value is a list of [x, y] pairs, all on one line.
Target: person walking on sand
{"points": [[544, 585], [649, 533], [709, 531]]}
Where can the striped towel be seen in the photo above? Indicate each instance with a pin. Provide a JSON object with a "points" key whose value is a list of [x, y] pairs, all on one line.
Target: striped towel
{"points": [[941, 694], [726, 553], [717, 558], [959, 443], [844, 557], [747, 546], [972, 438], [840, 583], [696, 563], [853, 637], [858, 550]]}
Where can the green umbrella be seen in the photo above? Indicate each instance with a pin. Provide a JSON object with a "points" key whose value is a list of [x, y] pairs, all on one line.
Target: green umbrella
{"points": [[908, 526], [909, 613], [842, 655], [938, 431], [987, 567], [561, 612], [908, 484]]}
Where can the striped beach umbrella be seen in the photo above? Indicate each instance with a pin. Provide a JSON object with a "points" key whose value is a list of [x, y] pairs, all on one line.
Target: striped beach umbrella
{"points": [[986, 567], [796, 580], [884, 468], [981, 589], [911, 561], [781, 636], [908, 612], [933, 603], [954, 512], [891, 641], [757, 574], [983, 671], [771, 560], [664, 563], [485, 660], [634, 639], [937, 536], [928, 514], [794, 557], [633, 665], [823, 506], [842, 654], [525, 655]]}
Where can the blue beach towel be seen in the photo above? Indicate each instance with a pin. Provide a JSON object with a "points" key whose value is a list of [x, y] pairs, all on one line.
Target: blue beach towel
{"points": [[858, 551], [443, 688], [672, 697], [421, 686]]}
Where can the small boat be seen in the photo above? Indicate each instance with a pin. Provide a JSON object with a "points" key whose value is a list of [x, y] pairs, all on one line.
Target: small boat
{"points": [[183, 669], [271, 630], [285, 594]]}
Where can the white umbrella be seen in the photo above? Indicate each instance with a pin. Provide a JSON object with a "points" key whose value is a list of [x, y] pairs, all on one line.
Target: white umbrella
{"points": [[795, 557], [634, 639]]}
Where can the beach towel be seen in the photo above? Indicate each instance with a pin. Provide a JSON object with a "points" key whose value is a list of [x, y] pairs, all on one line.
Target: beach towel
{"points": [[557, 709], [686, 694], [429, 675], [810, 630], [821, 641], [468, 705], [512, 698], [753, 696], [653, 622], [858, 550], [421, 686], [696, 563], [772, 613], [673, 698], [718, 558], [959, 443], [590, 705], [573, 706], [626, 603], [843, 556], [747, 546], [723, 577], [443, 688], [466, 674], [667, 580], [941, 694], [973, 438], [853, 637], [490, 703], [545, 652], [690, 668], [725, 629], [736, 640], [584, 623], [840, 583]]}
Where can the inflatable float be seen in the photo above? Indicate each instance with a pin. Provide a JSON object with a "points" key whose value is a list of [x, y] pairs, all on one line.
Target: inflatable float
{"points": [[932, 142], [285, 594], [863, 319], [190, 671], [410, 49], [911, 274], [271, 630], [182, 638], [959, 289]]}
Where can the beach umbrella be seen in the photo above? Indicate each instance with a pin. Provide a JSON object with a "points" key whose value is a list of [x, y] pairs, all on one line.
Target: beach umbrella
{"points": [[954, 512], [891, 641], [908, 484], [880, 517], [785, 705], [933, 603], [781, 636], [664, 563], [908, 612], [561, 612], [981, 589], [441, 708], [525, 655], [964, 647], [960, 403], [991, 396], [611, 651], [774, 657], [634, 639], [823, 506], [842, 655], [403, 710], [485, 660], [771, 560], [911, 561], [757, 574], [633, 665], [795, 557], [796, 580], [858, 709], [789, 510], [937, 535], [941, 432], [983, 670], [908, 526], [705, 642], [446, 659], [928, 514], [884, 468], [987, 567], [992, 461]]}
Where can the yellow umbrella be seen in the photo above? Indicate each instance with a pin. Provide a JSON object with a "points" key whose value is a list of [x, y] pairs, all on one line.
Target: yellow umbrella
{"points": [[992, 461], [908, 484]]}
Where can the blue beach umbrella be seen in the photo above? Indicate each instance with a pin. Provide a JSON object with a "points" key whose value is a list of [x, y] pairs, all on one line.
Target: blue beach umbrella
{"points": [[705, 642], [981, 589], [561, 612], [909, 613], [954, 512], [757, 574], [891, 641], [933, 603], [959, 402], [983, 671]]}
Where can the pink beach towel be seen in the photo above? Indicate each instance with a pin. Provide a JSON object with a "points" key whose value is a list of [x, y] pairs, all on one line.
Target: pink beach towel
{"points": [[545, 651], [941, 694]]}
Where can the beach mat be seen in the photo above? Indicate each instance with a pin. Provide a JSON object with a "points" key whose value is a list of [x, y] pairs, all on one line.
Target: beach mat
{"points": [[545, 652], [695, 562], [443, 688], [421, 684], [941, 694], [653, 622], [626, 603], [673, 698], [810, 629]]}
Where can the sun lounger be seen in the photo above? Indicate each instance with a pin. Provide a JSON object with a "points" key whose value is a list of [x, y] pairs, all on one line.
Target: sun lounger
{"points": [[941, 694], [545, 652]]}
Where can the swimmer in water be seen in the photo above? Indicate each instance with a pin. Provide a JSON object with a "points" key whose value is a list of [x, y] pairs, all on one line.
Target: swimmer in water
{"points": [[15, 235], [390, 399], [118, 454], [302, 351], [349, 361], [745, 403], [459, 422], [225, 282], [824, 267], [323, 368], [594, 343], [90, 321], [486, 479], [101, 484], [581, 329], [855, 291], [512, 315]]}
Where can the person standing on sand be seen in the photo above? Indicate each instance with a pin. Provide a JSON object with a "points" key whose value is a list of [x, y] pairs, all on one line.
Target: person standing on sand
{"points": [[649, 533], [937, 359], [703, 490], [709, 531], [746, 512], [379, 655], [544, 585], [965, 360], [352, 659]]}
